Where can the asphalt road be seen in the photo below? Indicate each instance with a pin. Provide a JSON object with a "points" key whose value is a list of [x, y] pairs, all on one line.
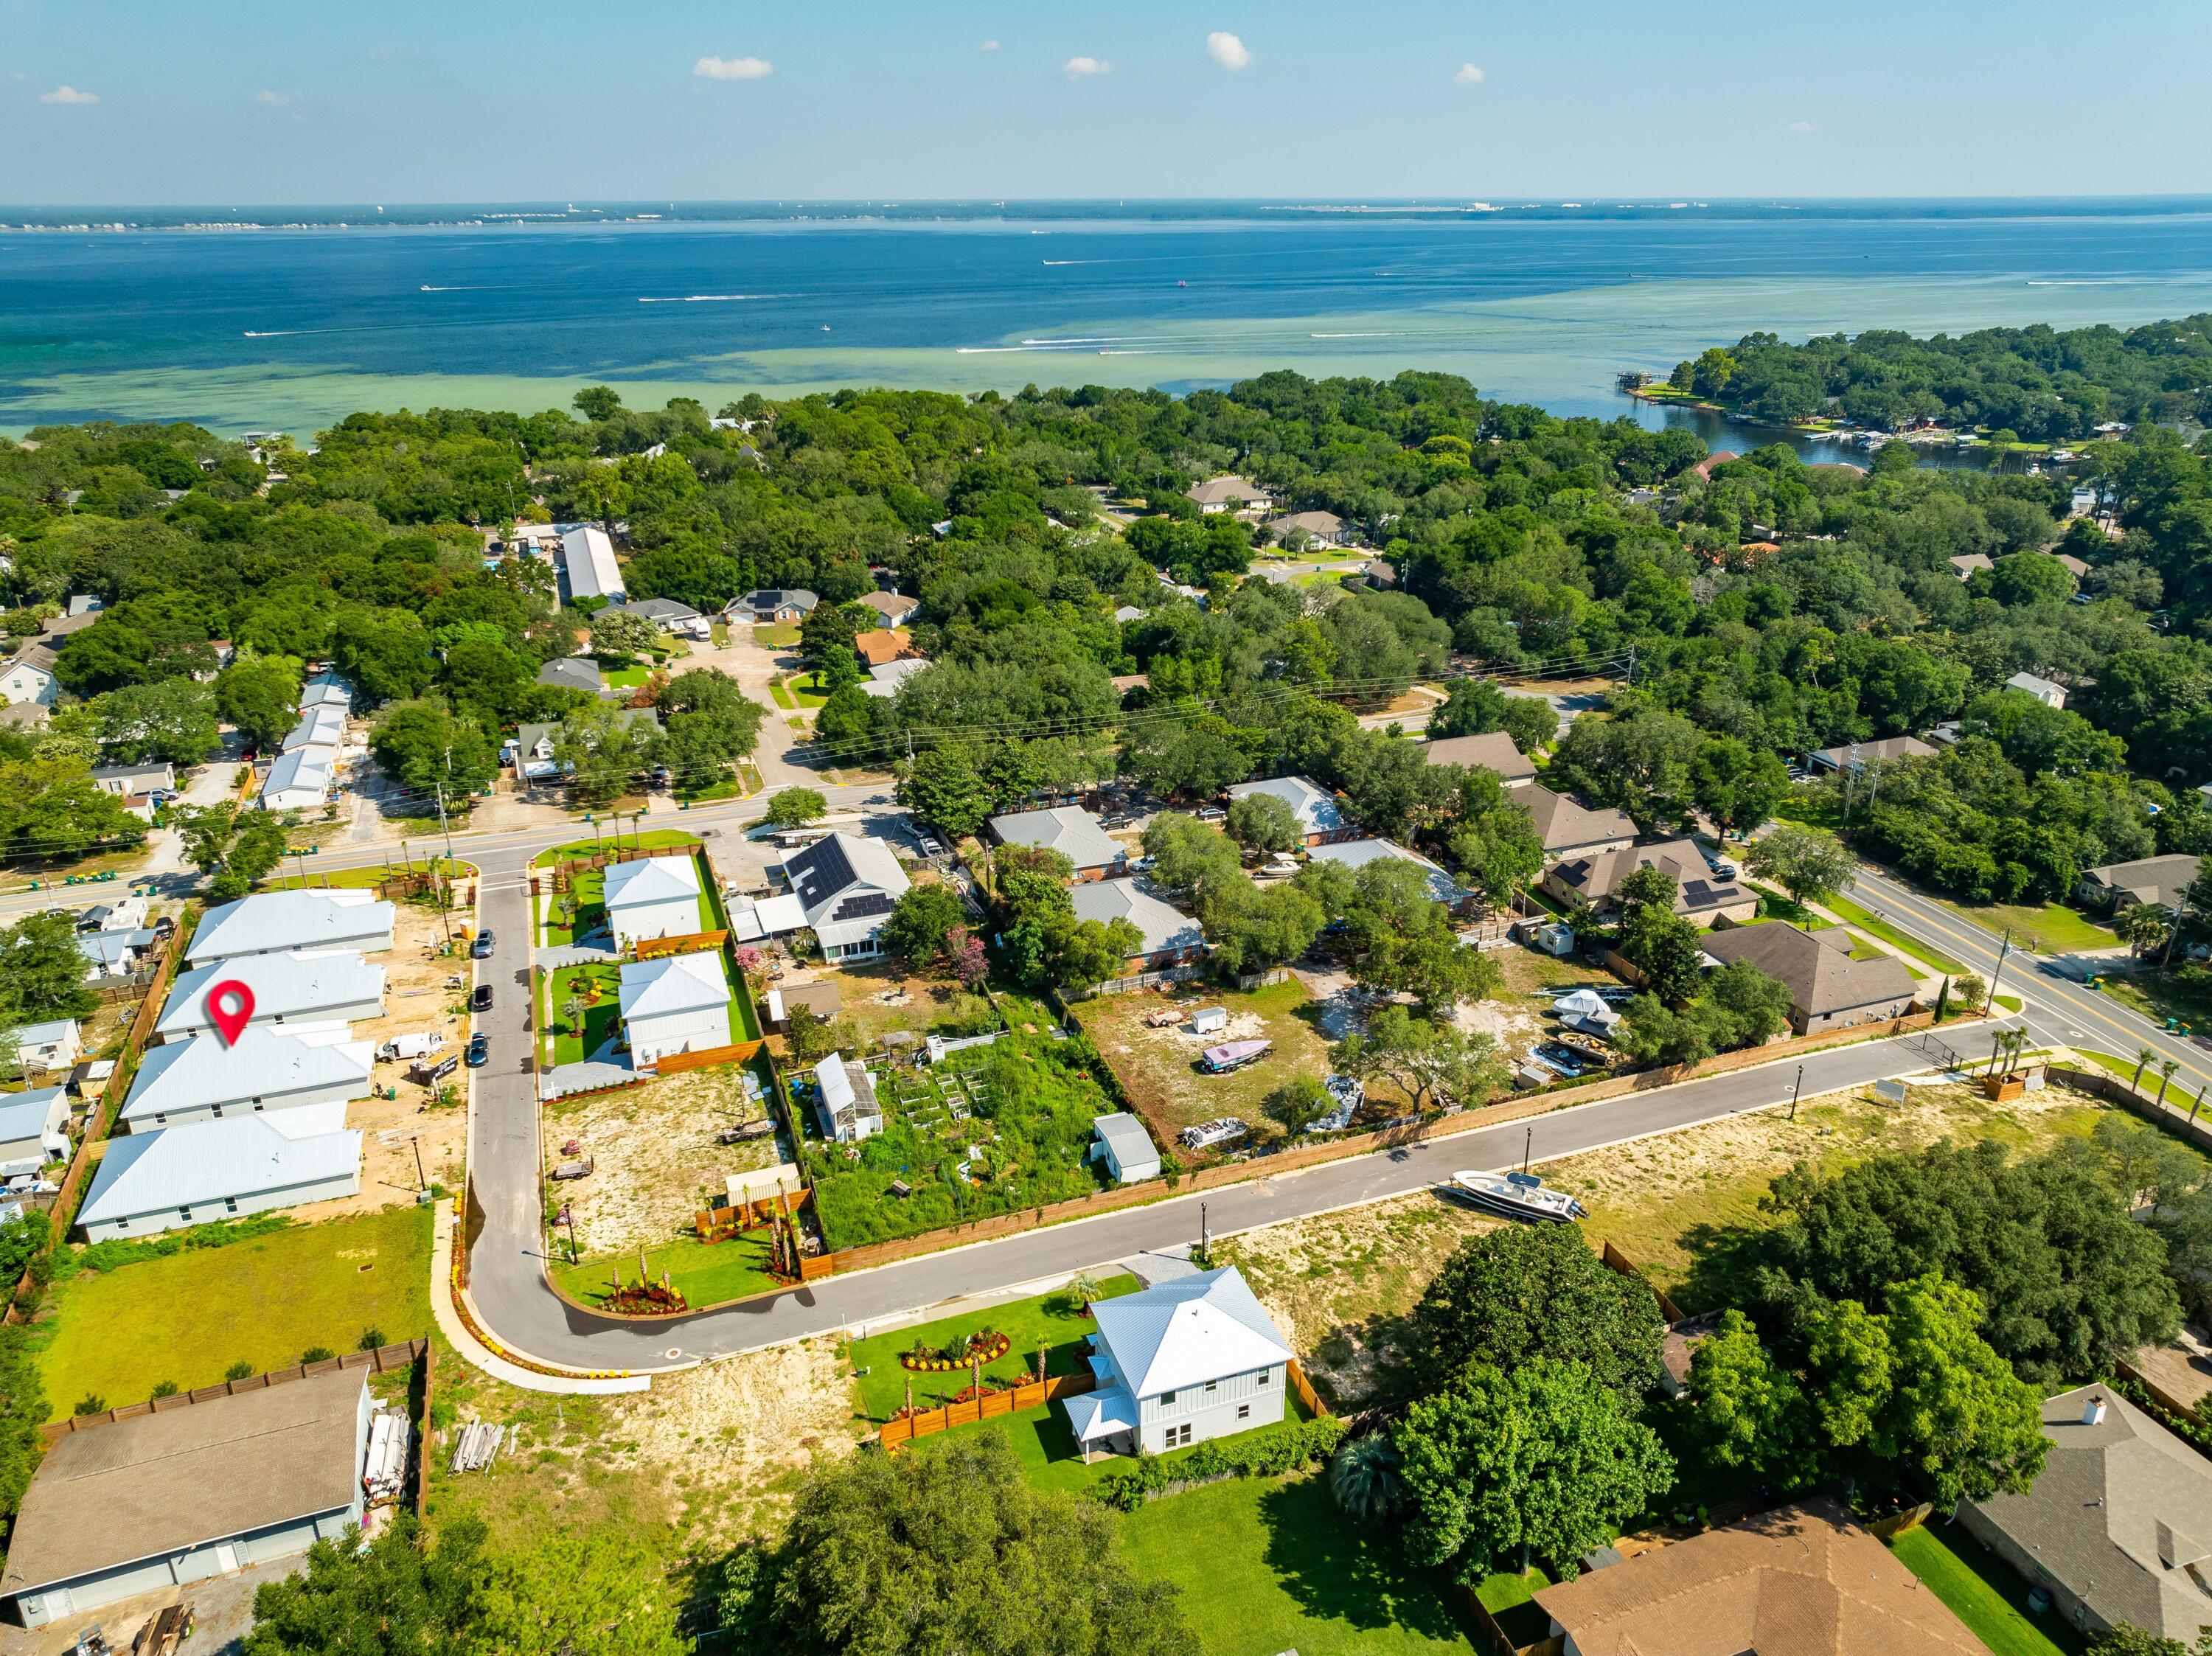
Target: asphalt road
{"points": [[2056, 1007]]}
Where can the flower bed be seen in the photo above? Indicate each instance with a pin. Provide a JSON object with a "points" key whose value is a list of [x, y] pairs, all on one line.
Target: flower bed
{"points": [[985, 1345]]}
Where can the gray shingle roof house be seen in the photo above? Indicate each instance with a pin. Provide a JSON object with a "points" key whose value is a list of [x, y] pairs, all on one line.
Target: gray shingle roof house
{"points": [[185, 1492], [1570, 827], [666, 615], [1828, 990], [2118, 1525], [2159, 881], [1075, 833], [1493, 750], [271, 922], [573, 673], [1313, 806], [1171, 936], [1184, 1361], [772, 603]]}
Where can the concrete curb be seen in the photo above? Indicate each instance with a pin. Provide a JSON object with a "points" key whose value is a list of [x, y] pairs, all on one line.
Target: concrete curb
{"points": [[456, 1331]]}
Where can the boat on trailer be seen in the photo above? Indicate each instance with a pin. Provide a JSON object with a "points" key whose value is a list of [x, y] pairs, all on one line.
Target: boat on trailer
{"points": [[1516, 1196]]}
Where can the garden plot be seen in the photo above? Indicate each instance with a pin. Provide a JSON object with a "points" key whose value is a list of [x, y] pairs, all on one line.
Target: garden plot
{"points": [[990, 1131], [655, 1155]]}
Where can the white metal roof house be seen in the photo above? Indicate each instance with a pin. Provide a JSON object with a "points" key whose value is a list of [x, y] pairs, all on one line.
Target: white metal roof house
{"points": [[53, 1044], [31, 1130], [1181, 1362], [325, 690], [1125, 1148], [1357, 853], [301, 780], [209, 1170], [202, 1079], [127, 780], [678, 1003], [318, 727], [587, 565], [883, 683], [1072, 832], [845, 1099], [273, 922], [653, 897], [313, 990], [2050, 694], [1171, 936], [847, 887], [113, 954], [1313, 806], [187, 1493]]}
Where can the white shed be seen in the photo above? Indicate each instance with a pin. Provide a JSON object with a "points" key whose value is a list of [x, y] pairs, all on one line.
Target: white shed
{"points": [[1125, 1148], [679, 1003], [1209, 1020], [653, 897]]}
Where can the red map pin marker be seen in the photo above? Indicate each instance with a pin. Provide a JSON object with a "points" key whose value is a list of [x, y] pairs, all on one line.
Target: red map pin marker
{"points": [[230, 1005]]}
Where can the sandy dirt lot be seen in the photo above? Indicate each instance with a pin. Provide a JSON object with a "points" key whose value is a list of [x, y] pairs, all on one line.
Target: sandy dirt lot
{"points": [[415, 1000], [1157, 1067], [657, 1160], [1342, 1283], [706, 1459]]}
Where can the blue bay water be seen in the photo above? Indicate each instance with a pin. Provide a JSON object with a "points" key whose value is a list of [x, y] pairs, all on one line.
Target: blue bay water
{"points": [[292, 328]]}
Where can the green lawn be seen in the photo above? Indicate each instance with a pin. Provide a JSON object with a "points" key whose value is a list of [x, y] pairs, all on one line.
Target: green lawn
{"points": [[1982, 1592], [600, 1021], [2043, 929], [263, 1302], [777, 635], [1270, 1565], [614, 838], [1844, 909], [2159, 996], [359, 878], [589, 890], [726, 787], [1512, 1600], [1047, 1320], [705, 1273], [628, 678]]}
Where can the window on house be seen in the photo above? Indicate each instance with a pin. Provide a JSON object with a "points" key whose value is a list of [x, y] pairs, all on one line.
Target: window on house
{"points": [[1243, 1411], [1266, 1375], [1167, 1399], [1177, 1436], [230, 1205], [185, 1213], [1213, 1385]]}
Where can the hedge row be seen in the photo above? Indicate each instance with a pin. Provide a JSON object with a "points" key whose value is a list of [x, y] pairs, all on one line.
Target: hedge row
{"points": [[1269, 1452]]}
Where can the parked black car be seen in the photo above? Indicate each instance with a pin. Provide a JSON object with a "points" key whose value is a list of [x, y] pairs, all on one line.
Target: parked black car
{"points": [[481, 1001]]}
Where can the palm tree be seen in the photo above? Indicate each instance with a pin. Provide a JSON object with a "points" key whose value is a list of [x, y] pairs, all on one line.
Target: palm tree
{"points": [[1364, 1477], [573, 1009], [2165, 1077], [2144, 1058]]}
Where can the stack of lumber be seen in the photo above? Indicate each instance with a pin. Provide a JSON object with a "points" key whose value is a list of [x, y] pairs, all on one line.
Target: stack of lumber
{"points": [[477, 1447], [385, 1476]]}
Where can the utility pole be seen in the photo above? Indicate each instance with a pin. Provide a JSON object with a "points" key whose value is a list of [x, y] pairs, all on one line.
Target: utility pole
{"points": [[1205, 1248], [417, 1142], [2004, 950], [1795, 1087], [1528, 1147]]}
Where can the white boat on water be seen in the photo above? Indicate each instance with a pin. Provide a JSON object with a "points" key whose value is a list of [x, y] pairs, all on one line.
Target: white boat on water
{"points": [[1516, 1196]]}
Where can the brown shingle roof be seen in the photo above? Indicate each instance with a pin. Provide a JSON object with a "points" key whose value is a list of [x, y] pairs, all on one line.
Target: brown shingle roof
{"points": [[1493, 750], [1801, 1581], [1567, 824], [880, 648], [1816, 967], [167, 1482]]}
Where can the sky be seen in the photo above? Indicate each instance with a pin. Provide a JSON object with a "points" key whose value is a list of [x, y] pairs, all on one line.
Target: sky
{"points": [[221, 102]]}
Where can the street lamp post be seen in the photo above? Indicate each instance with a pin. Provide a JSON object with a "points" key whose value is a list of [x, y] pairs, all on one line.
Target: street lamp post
{"points": [[1795, 1087]]}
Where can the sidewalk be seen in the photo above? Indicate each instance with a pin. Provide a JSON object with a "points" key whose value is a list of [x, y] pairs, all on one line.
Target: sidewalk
{"points": [[480, 1355]]}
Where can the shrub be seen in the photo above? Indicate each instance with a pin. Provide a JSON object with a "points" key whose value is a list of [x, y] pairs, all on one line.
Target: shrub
{"points": [[317, 1354], [166, 1389], [1269, 1452], [239, 1371]]}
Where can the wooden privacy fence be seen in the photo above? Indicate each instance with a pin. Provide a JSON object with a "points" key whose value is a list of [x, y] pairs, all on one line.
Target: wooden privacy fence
{"points": [[2184, 1124], [382, 1360], [1628, 1267], [669, 1062], [989, 1406]]}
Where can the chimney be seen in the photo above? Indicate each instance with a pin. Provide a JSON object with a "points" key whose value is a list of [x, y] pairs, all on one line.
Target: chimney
{"points": [[2092, 1413]]}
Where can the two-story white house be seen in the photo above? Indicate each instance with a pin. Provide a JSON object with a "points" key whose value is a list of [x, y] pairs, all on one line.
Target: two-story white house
{"points": [[1178, 1363]]}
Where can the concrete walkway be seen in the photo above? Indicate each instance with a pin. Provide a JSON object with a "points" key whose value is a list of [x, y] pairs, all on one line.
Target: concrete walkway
{"points": [[588, 1075], [481, 1356]]}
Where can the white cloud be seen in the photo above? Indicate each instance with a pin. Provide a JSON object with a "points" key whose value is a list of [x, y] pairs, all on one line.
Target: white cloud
{"points": [[1076, 68], [68, 94], [277, 99], [1798, 127], [1469, 75], [989, 45], [734, 68], [1227, 51]]}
